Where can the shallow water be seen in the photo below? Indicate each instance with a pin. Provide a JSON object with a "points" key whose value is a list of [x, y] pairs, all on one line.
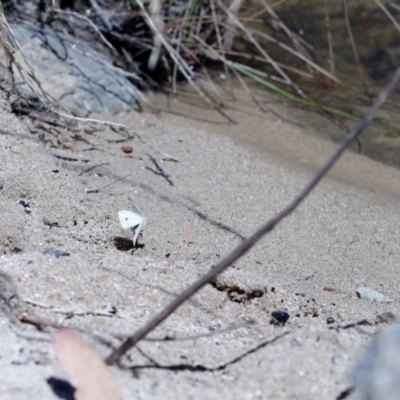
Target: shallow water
{"points": [[376, 40]]}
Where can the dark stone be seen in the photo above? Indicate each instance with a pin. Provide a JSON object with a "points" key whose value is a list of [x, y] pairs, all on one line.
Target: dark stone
{"points": [[61, 388], [280, 316]]}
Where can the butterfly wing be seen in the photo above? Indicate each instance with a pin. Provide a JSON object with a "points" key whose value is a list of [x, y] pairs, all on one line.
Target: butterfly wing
{"points": [[135, 208], [133, 219], [136, 233], [129, 219]]}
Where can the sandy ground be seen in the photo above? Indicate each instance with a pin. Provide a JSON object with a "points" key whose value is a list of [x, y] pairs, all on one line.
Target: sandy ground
{"points": [[343, 237]]}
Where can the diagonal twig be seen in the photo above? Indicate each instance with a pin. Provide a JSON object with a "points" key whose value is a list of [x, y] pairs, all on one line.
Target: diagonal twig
{"points": [[160, 170], [108, 184], [251, 241]]}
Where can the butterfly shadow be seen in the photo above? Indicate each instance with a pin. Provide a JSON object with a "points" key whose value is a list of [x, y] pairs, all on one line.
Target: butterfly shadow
{"points": [[125, 244]]}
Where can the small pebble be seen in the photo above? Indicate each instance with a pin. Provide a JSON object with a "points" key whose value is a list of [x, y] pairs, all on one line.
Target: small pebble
{"points": [[113, 310], [330, 320], [55, 252], [1, 186], [127, 149], [369, 294], [280, 316]]}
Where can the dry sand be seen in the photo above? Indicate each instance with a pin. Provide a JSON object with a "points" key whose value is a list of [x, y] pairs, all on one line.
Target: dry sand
{"points": [[343, 237]]}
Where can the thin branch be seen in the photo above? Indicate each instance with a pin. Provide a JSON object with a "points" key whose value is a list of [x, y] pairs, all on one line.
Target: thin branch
{"points": [[250, 242], [188, 239], [160, 170], [108, 184]]}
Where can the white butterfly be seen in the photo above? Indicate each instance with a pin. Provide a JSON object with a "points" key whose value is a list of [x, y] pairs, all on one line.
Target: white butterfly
{"points": [[133, 219]]}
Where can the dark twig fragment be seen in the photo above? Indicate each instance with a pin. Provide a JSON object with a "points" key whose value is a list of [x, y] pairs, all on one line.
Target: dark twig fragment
{"points": [[65, 158], [50, 223], [93, 167], [108, 184], [160, 170]]}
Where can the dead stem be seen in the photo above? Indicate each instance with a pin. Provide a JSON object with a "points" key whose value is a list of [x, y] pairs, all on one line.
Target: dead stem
{"points": [[188, 239], [183, 66], [329, 36], [221, 46], [262, 51], [388, 14], [353, 45]]}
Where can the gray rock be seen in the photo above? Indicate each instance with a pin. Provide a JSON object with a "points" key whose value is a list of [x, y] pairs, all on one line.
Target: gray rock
{"points": [[377, 375], [74, 73], [55, 252], [365, 293]]}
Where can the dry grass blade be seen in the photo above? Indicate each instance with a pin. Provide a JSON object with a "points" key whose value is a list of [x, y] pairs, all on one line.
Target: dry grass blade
{"points": [[220, 44], [389, 15], [26, 71], [189, 235], [329, 37], [115, 125], [155, 7], [178, 45], [307, 60], [353, 46], [296, 40], [262, 51], [247, 56], [269, 226], [183, 67], [231, 30]]}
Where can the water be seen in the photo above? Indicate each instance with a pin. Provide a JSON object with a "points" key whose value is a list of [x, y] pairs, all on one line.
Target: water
{"points": [[376, 40]]}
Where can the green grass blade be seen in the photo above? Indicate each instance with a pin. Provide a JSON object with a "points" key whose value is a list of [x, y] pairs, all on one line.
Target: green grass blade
{"points": [[244, 71]]}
